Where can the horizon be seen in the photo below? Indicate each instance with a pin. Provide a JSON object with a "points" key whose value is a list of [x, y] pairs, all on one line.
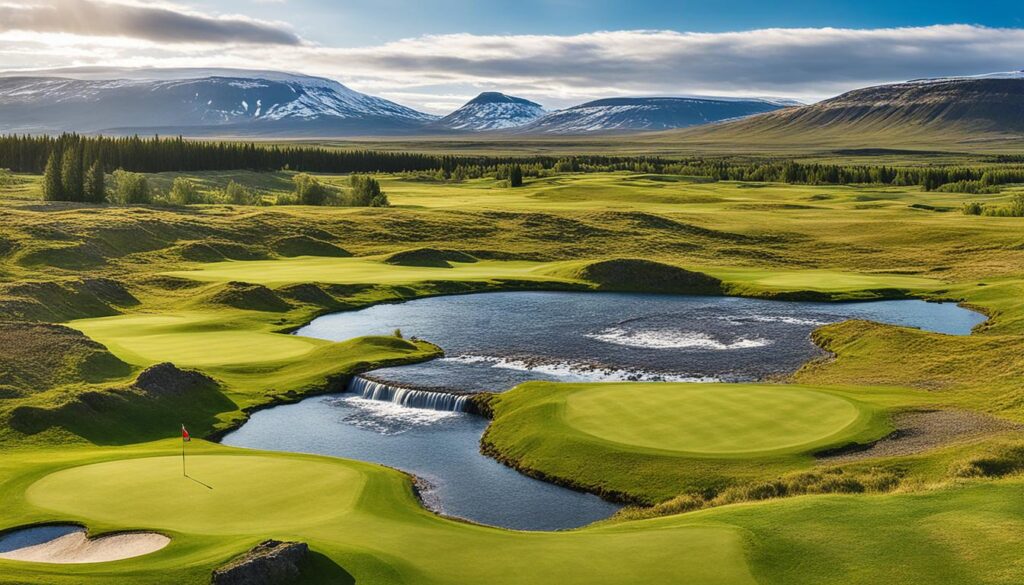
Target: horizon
{"points": [[436, 56]]}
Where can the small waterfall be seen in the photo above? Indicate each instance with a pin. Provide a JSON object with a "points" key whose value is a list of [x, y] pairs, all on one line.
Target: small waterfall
{"points": [[404, 396]]}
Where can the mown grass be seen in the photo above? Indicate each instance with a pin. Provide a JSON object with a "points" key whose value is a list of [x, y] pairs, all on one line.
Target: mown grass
{"points": [[216, 288]]}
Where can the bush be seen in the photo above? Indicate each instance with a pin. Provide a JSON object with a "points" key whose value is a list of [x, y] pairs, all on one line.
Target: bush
{"points": [[7, 178], [1014, 209], [286, 199], [973, 208], [972, 187], [310, 191], [241, 195], [130, 188], [184, 192]]}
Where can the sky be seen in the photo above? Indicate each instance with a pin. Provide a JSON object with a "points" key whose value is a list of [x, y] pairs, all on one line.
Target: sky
{"points": [[434, 55]]}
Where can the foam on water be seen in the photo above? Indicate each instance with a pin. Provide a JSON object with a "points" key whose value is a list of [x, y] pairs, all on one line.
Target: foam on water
{"points": [[576, 371], [659, 339]]}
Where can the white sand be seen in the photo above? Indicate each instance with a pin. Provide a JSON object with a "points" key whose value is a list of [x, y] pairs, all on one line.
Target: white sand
{"points": [[74, 546]]}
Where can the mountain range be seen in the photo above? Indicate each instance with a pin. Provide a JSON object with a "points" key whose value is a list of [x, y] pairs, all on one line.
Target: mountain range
{"points": [[230, 102], [966, 112]]}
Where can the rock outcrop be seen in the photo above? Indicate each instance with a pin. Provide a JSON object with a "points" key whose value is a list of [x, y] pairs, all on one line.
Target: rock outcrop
{"points": [[271, 562]]}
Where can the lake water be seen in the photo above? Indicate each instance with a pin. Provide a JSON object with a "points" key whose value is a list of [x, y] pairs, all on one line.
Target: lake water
{"points": [[494, 341]]}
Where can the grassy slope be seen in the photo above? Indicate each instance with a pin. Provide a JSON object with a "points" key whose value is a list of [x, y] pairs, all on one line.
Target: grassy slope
{"points": [[838, 239]]}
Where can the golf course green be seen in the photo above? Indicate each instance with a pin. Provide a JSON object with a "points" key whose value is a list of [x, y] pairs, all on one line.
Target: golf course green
{"points": [[712, 419]]}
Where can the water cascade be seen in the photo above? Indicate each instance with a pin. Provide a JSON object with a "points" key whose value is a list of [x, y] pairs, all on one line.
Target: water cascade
{"points": [[406, 397]]}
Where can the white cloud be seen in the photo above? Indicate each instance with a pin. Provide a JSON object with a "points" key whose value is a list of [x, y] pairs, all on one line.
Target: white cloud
{"points": [[162, 23], [434, 72]]}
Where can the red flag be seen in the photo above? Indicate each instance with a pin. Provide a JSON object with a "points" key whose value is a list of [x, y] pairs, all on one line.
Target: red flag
{"points": [[184, 434]]}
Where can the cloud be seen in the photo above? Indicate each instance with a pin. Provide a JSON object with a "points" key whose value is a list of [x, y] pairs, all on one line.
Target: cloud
{"points": [[437, 71], [771, 60], [163, 24]]}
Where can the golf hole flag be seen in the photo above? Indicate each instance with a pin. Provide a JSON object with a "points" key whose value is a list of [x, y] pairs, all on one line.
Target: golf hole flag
{"points": [[184, 434]]}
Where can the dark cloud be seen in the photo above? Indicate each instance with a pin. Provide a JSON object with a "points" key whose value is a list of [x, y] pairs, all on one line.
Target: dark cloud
{"points": [[160, 24]]}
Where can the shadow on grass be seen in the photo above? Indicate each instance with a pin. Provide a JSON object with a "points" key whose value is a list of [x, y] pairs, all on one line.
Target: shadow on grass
{"points": [[321, 569]]}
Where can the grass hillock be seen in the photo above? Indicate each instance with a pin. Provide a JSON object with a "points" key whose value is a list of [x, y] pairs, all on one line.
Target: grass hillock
{"points": [[633, 274], [63, 299], [247, 296], [290, 246], [428, 258], [40, 356], [161, 397]]}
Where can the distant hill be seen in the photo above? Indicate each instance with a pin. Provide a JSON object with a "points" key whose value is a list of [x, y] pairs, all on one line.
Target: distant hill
{"points": [[196, 102], [491, 110], [646, 114], [949, 112]]}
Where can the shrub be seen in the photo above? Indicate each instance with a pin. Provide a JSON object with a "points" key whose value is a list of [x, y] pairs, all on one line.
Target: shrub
{"points": [[1014, 209], [241, 195], [130, 188], [286, 199], [7, 178], [184, 192], [972, 187], [973, 208]]}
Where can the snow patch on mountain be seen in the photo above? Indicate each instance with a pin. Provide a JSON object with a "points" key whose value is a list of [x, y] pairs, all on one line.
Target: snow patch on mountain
{"points": [[492, 111]]}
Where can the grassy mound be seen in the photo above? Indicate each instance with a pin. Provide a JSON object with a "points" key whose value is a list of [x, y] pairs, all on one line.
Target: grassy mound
{"points": [[159, 398], [290, 246], [428, 258], [38, 357], [218, 251], [251, 297], [62, 300], [632, 274]]}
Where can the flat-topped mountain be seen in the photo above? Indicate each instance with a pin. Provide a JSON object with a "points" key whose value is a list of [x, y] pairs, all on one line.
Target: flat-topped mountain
{"points": [[646, 113], [928, 111]]}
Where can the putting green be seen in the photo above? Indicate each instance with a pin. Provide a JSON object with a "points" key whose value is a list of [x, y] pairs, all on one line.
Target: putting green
{"points": [[191, 339], [246, 493], [710, 419]]}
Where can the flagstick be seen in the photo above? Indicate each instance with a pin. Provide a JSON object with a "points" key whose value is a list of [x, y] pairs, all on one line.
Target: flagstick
{"points": [[183, 455]]}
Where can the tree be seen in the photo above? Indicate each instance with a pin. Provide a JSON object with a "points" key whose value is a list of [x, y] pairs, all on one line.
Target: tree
{"points": [[95, 189], [366, 192], [53, 189], [184, 192], [71, 176], [515, 176]]}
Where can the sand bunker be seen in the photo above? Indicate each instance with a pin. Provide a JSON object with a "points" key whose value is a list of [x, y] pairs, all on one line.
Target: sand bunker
{"points": [[67, 543]]}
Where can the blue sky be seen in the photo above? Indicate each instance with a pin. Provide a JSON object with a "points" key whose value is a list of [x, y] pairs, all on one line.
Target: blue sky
{"points": [[436, 54], [354, 23]]}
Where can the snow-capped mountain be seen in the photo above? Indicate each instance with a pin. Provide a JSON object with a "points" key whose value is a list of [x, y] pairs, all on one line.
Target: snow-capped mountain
{"points": [[492, 110], [654, 113], [196, 102]]}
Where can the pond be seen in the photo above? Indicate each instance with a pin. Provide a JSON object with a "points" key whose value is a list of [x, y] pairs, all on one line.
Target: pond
{"points": [[494, 341]]}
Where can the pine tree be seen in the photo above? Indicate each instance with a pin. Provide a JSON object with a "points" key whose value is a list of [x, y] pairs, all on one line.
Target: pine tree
{"points": [[52, 187], [95, 190], [515, 176], [71, 177]]}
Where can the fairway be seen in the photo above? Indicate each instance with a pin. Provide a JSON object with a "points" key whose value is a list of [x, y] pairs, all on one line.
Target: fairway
{"points": [[151, 492], [710, 419], [356, 270]]}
